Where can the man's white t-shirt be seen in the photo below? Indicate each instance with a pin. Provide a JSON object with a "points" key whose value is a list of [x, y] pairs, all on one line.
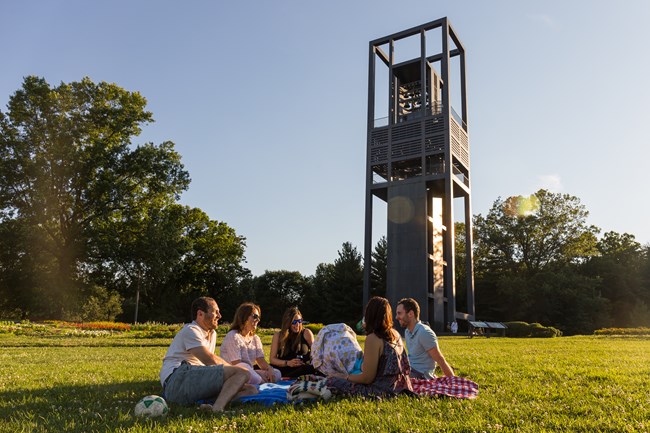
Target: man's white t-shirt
{"points": [[189, 337]]}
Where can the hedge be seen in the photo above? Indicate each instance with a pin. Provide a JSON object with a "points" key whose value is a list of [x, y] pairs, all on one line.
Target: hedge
{"points": [[623, 331], [531, 330]]}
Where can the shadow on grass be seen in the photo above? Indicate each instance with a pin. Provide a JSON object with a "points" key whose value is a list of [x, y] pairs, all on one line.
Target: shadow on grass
{"points": [[100, 407]]}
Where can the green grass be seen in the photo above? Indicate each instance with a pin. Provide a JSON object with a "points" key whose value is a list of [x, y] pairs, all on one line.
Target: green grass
{"points": [[569, 384]]}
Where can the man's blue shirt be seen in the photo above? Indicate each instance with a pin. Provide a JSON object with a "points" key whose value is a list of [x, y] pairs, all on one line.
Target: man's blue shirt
{"points": [[418, 343]]}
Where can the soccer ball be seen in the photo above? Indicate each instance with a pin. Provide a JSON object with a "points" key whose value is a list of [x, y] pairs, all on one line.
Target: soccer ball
{"points": [[151, 406]]}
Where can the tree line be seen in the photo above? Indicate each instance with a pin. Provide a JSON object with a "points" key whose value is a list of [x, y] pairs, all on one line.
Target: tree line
{"points": [[537, 260], [91, 229]]}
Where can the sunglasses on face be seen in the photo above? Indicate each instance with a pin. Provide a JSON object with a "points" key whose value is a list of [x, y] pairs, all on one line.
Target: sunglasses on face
{"points": [[255, 316], [295, 322]]}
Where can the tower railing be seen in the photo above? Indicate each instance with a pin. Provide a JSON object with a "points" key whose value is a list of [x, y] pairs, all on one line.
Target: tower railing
{"points": [[458, 119], [419, 113]]}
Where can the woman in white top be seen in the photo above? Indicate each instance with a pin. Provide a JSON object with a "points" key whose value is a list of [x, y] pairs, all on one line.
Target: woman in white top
{"points": [[242, 347]]}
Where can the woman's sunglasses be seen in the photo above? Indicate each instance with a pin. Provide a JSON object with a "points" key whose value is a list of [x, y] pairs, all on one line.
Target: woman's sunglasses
{"points": [[255, 316], [295, 322]]}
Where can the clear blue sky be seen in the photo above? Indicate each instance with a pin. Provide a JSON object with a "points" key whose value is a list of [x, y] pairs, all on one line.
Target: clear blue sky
{"points": [[266, 102]]}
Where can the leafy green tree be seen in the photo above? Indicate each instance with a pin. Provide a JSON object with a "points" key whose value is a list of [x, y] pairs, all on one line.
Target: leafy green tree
{"points": [[639, 315], [528, 257], [169, 257], [379, 267], [619, 269], [459, 252], [101, 305], [645, 274], [21, 270], [528, 234], [345, 294], [313, 306], [275, 291], [68, 168]]}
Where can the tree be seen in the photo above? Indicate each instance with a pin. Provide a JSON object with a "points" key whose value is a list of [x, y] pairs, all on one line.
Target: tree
{"points": [[170, 256], [528, 234], [67, 170], [101, 305], [378, 268], [275, 291], [345, 294], [619, 269], [460, 271], [528, 256], [313, 305], [21, 270]]}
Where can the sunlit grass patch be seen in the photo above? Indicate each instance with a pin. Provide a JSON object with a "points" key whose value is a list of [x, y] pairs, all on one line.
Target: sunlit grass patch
{"points": [[584, 384]]}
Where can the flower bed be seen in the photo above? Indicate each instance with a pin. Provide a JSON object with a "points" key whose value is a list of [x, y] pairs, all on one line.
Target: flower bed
{"points": [[57, 328]]}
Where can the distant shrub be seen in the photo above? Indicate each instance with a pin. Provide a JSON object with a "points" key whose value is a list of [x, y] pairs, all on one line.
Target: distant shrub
{"points": [[545, 332], [261, 331], [101, 305], [223, 328], [517, 329], [314, 327], [531, 330], [159, 333], [623, 331]]}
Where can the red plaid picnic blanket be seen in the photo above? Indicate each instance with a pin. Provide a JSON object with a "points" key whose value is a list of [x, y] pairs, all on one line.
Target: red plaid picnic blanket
{"points": [[455, 386]]}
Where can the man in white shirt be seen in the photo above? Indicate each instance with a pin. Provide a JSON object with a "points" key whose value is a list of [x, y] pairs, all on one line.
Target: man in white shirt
{"points": [[421, 342], [191, 371]]}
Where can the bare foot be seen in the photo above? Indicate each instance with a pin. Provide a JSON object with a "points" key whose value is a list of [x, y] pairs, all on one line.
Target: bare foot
{"points": [[211, 409], [206, 408]]}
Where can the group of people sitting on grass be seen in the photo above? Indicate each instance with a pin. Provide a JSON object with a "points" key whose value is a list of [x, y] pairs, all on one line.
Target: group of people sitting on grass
{"points": [[192, 371]]}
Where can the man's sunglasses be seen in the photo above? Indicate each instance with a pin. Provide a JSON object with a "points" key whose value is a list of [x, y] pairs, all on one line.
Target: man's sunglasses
{"points": [[295, 322]]}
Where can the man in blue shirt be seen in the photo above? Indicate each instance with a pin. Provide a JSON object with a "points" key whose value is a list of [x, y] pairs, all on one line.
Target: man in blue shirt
{"points": [[421, 342]]}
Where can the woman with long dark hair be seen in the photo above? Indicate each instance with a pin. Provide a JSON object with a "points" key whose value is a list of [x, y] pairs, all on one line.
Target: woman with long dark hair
{"points": [[385, 369], [291, 346], [241, 346]]}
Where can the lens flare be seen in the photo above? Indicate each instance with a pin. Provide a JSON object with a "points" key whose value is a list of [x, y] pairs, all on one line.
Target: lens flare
{"points": [[521, 206], [400, 210]]}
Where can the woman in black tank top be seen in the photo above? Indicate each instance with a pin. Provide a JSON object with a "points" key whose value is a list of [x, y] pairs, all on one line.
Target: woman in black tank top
{"points": [[291, 346]]}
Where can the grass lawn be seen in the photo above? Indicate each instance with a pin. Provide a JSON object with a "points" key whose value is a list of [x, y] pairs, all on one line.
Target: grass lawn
{"points": [[572, 384]]}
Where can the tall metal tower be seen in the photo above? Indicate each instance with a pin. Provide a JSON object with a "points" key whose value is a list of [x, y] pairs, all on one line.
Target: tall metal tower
{"points": [[418, 162]]}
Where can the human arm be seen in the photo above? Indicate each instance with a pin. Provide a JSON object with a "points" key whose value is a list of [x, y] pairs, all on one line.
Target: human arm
{"points": [[275, 349], [371, 352], [309, 337], [267, 369], [206, 357], [199, 345], [437, 356]]}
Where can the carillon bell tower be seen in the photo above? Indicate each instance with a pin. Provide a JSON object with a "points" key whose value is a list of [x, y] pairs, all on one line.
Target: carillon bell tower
{"points": [[418, 163]]}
